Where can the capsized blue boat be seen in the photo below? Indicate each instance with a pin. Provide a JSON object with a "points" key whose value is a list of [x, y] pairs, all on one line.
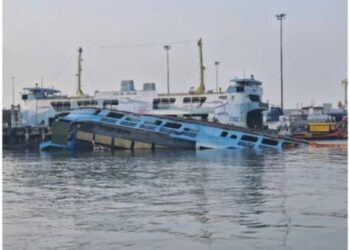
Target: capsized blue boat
{"points": [[86, 128]]}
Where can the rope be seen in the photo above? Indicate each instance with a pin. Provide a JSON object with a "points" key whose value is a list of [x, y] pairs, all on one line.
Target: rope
{"points": [[88, 77], [144, 44], [61, 70]]}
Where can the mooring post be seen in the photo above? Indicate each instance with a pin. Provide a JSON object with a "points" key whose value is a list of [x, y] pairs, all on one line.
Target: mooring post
{"points": [[26, 135], [42, 133]]}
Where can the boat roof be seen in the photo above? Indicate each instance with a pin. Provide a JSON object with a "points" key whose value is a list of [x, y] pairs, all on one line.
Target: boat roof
{"points": [[40, 89], [246, 81]]}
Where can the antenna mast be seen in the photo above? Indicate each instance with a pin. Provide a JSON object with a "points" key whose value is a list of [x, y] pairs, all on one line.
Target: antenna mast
{"points": [[79, 92], [201, 88]]}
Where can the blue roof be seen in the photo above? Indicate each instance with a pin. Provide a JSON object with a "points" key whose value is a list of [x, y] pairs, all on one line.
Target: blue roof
{"points": [[39, 89]]}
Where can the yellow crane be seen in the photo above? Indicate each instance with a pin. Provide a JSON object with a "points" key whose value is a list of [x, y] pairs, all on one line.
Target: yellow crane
{"points": [[201, 88], [79, 92]]}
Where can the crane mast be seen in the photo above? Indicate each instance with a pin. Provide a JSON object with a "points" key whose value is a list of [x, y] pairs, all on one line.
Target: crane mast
{"points": [[79, 92], [201, 88]]}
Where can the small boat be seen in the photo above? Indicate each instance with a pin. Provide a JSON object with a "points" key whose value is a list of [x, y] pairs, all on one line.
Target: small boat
{"points": [[324, 131], [311, 123]]}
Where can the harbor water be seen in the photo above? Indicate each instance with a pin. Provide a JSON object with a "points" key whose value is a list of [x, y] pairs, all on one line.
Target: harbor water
{"points": [[208, 199]]}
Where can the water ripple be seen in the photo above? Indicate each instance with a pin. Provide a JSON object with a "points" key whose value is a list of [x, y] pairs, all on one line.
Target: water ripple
{"points": [[171, 199]]}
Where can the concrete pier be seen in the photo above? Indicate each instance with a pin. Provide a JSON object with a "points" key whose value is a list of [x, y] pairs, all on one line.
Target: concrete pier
{"points": [[24, 137], [17, 136]]}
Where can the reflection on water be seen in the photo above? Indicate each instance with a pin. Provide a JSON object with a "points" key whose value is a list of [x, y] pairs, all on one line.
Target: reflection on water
{"points": [[171, 199]]}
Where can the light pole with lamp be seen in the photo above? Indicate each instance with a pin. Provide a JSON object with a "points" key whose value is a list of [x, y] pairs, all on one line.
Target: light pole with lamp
{"points": [[280, 18], [217, 63], [167, 48], [13, 90]]}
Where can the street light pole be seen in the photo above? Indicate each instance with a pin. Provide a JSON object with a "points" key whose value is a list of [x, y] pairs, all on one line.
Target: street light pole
{"points": [[280, 18], [217, 63], [13, 90], [345, 84], [167, 48]]}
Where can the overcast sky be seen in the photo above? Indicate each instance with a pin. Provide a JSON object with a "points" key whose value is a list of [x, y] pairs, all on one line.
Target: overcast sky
{"points": [[41, 39]]}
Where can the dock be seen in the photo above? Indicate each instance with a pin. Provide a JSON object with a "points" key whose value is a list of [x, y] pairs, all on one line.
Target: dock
{"points": [[24, 137], [17, 136]]}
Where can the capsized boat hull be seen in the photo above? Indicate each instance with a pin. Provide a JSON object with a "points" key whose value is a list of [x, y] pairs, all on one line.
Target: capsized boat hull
{"points": [[126, 130]]}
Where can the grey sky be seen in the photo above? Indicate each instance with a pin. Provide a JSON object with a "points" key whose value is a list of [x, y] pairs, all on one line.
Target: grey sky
{"points": [[40, 36]]}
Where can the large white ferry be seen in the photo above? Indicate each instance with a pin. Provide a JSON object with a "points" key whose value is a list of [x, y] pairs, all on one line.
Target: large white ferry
{"points": [[239, 105]]}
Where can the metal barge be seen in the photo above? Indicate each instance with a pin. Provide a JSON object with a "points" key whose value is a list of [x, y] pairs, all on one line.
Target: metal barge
{"points": [[85, 128]]}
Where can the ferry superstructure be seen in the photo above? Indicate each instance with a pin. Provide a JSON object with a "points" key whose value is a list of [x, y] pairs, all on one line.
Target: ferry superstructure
{"points": [[241, 104]]}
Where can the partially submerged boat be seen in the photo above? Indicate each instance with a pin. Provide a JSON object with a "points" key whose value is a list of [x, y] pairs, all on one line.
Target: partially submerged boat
{"points": [[86, 128]]}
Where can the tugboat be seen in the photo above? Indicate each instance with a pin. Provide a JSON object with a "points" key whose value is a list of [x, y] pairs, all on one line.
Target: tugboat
{"points": [[324, 131]]}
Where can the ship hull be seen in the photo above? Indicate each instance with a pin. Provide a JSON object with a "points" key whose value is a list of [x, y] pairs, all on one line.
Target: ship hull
{"points": [[124, 130]]}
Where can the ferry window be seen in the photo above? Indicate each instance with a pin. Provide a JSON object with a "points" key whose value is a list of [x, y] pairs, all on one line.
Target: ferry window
{"points": [[132, 118], [187, 99], [191, 130], [254, 98], [110, 102], [66, 104], [153, 122], [269, 142], [172, 125], [115, 115], [24, 97], [223, 97], [233, 136], [60, 105], [224, 134], [240, 89], [249, 138], [195, 99], [157, 103], [87, 103], [162, 103], [157, 122]]}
